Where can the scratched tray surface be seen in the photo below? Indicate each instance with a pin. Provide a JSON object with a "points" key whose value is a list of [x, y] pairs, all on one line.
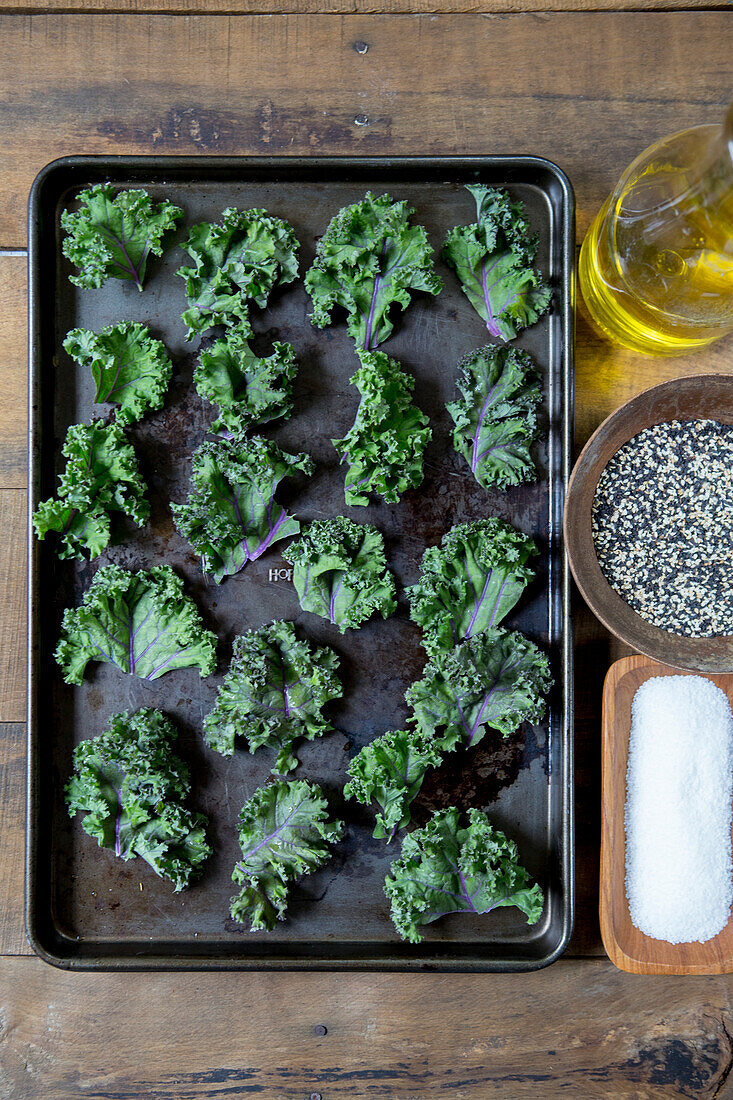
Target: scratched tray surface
{"points": [[88, 908]]}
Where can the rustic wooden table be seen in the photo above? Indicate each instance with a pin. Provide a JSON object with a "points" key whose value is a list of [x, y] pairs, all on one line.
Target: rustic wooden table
{"points": [[587, 88]]}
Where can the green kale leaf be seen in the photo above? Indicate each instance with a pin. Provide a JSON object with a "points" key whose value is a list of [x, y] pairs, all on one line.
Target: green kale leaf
{"points": [[446, 868], [236, 262], [368, 260], [497, 679], [101, 476], [130, 368], [391, 770], [471, 582], [340, 572], [384, 448], [283, 834], [495, 421], [493, 260], [112, 237], [142, 623], [273, 694], [232, 516], [248, 389], [131, 787]]}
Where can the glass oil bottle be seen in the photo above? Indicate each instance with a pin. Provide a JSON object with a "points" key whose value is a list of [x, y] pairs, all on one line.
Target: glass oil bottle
{"points": [[656, 266]]}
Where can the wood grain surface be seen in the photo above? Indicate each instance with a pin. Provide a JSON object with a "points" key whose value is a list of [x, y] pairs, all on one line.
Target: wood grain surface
{"points": [[13, 529], [578, 1029], [13, 373], [12, 827], [342, 7], [627, 947], [588, 90]]}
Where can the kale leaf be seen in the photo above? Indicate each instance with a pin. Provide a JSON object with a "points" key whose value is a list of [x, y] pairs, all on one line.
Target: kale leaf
{"points": [[384, 448], [283, 834], [131, 787], [101, 476], [236, 262], [112, 237], [448, 868], [130, 368], [249, 389], [498, 679], [142, 623], [471, 582], [273, 694], [495, 421], [391, 770], [231, 516], [493, 259], [340, 572], [369, 259]]}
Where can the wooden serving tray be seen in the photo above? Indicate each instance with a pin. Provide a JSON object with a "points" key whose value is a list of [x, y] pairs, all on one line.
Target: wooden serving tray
{"points": [[627, 947]]}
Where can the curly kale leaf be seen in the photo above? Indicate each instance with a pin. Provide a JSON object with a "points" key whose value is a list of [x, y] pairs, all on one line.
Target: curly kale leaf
{"points": [[142, 623], [391, 770], [495, 421], [471, 582], [497, 679], [384, 448], [249, 389], [273, 694], [237, 261], [130, 368], [368, 260], [283, 834], [446, 868], [112, 236], [493, 260], [101, 476], [232, 516], [340, 572], [131, 787]]}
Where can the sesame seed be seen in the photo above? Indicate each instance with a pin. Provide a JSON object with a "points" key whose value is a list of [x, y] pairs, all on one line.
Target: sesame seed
{"points": [[662, 523]]}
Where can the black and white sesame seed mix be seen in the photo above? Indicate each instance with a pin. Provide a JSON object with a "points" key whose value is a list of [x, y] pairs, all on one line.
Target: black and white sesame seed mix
{"points": [[662, 523]]}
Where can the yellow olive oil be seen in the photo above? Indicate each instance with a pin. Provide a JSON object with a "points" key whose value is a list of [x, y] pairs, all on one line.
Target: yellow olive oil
{"points": [[656, 266]]}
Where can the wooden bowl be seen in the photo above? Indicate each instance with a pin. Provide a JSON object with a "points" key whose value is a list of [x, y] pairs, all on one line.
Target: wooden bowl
{"points": [[706, 396], [627, 947]]}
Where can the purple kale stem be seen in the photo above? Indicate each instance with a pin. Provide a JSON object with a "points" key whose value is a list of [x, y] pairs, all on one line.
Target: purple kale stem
{"points": [[162, 665], [375, 294], [481, 415], [67, 526], [118, 820], [113, 386], [469, 899], [491, 322], [147, 648], [478, 603], [121, 245], [270, 536], [275, 831], [332, 605], [498, 598], [286, 706], [134, 633]]}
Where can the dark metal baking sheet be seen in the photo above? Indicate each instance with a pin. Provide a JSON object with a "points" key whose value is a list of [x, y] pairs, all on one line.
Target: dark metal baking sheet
{"points": [[84, 907]]}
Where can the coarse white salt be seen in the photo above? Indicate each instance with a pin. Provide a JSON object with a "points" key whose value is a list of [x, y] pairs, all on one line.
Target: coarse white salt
{"points": [[679, 804]]}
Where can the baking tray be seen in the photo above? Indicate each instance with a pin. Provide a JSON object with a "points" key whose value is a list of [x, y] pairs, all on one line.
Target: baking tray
{"points": [[86, 909]]}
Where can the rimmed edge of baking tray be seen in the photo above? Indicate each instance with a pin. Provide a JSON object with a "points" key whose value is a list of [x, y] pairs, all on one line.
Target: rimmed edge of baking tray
{"points": [[92, 168]]}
